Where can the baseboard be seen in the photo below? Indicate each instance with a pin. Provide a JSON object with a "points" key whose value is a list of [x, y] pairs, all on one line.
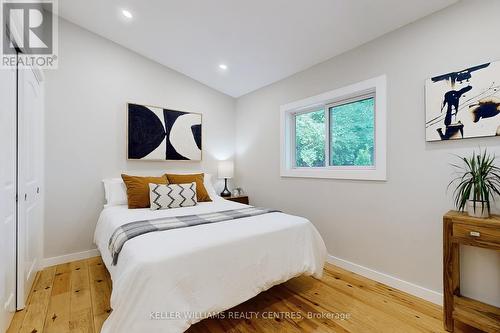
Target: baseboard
{"points": [[47, 262], [408, 287]]}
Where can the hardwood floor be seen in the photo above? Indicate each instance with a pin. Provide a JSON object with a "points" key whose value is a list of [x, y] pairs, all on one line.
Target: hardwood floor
{"points": [[75, 297]]}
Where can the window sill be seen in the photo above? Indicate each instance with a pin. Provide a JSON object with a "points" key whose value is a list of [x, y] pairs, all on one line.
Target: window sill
{"points": [[330, 173]]}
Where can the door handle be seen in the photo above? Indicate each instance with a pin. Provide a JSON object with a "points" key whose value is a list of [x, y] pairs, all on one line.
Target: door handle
{"points": [[38, 190], [25, 196]]}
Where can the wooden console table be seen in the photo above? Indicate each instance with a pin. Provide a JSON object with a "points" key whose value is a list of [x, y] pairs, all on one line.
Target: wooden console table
{"points": [[459, 228]]}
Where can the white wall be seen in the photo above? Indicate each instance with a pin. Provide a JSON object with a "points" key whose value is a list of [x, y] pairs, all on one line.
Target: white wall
{"points": [[393, 227], [85, 128]]}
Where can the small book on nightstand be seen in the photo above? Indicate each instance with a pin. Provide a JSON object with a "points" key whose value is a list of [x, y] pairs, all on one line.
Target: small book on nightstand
{"points": [[241, 199]]}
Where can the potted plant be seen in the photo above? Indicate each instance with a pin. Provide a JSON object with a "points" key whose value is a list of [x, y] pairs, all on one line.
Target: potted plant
{"points": [[477, 183]]}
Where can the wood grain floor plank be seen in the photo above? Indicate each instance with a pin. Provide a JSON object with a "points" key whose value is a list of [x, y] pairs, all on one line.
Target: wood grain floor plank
{"points": [[18, 318], [394, 295], [17, 321], [100, 293], [388, 303], [78, 293], [81, 318], [39, 301], [360, 317], [58, 314], [313, 316]]}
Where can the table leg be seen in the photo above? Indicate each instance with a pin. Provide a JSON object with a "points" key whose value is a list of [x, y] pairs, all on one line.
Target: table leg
{"points": [[451, 272]]}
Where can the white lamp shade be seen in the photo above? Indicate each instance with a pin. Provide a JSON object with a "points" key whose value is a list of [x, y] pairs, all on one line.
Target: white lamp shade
{"points": [[226, 169]]}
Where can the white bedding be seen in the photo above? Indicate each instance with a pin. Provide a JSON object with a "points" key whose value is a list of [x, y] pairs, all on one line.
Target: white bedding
{"points": [[179, 275]]}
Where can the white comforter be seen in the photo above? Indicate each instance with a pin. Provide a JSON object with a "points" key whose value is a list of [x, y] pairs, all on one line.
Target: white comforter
{"points": [[165, 281]]}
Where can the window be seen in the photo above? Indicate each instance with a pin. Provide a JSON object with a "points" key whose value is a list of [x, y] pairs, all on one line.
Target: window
{"points": [[339, 134]]}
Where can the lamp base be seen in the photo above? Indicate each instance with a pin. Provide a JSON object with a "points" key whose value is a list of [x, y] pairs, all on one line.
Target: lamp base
{"points": [[225, 192]]}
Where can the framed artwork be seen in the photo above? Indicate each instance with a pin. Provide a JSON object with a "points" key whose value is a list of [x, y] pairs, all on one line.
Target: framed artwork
{"points": [[463, 104], [159, 134]]}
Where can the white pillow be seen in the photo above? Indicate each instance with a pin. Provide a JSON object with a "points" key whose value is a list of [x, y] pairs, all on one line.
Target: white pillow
{"points": [[115, 192], [172, 196], [209, 186]]}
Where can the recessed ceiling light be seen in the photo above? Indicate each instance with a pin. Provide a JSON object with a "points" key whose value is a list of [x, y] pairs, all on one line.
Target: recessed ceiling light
{"points": [[223, 67], [127, 14]]}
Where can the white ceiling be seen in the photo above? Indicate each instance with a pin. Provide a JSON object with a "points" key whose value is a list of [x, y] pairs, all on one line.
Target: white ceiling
{"points": [[261, 41]]}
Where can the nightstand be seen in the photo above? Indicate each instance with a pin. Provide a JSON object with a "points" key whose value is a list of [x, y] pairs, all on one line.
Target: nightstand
{"points": [[241, 199], [458, 228]]}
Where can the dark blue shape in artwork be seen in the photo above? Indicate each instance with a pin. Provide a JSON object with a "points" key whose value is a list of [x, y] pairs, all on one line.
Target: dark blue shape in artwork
{"points": [[452, 98], [196, 129], [452, 131], [464, 75], [145, 131], [486, 109], [170, 118]]}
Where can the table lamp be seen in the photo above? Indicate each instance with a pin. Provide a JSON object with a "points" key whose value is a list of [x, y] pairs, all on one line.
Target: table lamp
{"points": [[225, 170]]}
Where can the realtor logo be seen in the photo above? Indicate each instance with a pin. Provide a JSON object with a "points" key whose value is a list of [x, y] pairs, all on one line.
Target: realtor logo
{"points": [[29, 33]]}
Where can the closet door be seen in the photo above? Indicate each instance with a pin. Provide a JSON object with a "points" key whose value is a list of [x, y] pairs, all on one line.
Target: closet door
{"points": [[7, 196], [30, 228]]}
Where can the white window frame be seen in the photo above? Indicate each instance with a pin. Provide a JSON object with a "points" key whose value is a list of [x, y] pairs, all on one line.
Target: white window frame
{"points": [[376, 87]]}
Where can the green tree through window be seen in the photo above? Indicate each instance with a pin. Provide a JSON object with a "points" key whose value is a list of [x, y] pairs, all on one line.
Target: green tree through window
{"points": [[310, 139], [352, 133]]}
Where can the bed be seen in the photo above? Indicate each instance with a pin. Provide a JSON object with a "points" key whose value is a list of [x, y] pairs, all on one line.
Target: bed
{"points": [[168, 280]]}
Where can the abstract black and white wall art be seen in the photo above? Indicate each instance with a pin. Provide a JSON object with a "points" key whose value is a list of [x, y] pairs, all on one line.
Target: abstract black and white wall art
{"points": [[463, 104], [160, 134]]}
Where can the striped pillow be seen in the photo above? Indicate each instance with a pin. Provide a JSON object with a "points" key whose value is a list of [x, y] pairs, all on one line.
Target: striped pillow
{"points": [[172, 196]]}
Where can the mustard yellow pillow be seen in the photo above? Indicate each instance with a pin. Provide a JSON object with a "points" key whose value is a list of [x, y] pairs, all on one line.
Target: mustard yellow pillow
{"points": [[201, 191], [138, 189]]}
